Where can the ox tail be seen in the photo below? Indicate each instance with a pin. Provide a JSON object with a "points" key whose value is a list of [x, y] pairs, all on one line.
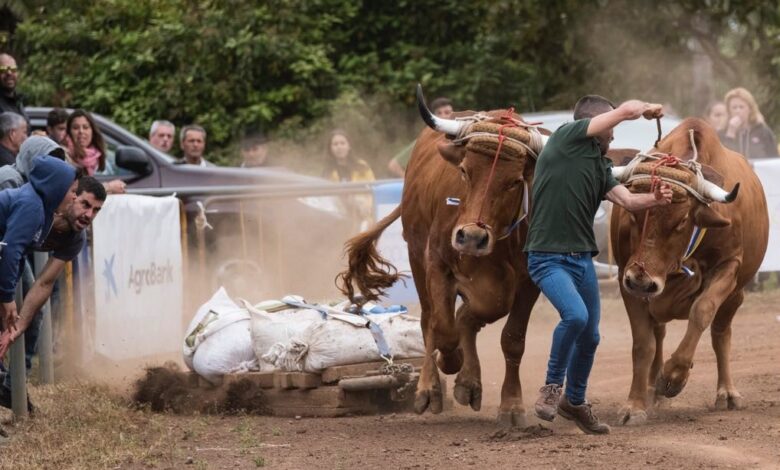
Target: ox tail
{"points": [[368, 273]]}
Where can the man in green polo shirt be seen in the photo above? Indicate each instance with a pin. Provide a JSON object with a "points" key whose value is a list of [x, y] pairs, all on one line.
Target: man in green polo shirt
{"points": [[572, 177]]}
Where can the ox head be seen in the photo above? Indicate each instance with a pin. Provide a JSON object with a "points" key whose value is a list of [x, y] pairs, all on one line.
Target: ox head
{"points": [[658, 251], [491, 205]]}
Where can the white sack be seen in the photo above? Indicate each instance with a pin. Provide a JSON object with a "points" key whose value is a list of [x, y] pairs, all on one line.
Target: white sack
{"points": [[218, 339], [274, 330], [328, 343]]}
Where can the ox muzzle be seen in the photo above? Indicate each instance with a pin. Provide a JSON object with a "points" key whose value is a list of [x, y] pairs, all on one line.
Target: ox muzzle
{"points": [[473, 239], [638, 282]]}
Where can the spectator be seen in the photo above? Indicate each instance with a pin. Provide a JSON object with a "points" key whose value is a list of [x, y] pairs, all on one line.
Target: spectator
{"points": [[14, 176], [87, 149], [13, 132], [746, 132], [25, 214], [441, 107], [192, 140], [161, 135], [717, 115], [254, 150], [10, 100], [57, 125], [342, 164], [65, 241]]}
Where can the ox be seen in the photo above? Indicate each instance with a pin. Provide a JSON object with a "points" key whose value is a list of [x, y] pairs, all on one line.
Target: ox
{"points": [[670, 270], [473, 250]]}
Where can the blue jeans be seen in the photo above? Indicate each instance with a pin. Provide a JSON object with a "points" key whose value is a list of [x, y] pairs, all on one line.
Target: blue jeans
{"points": [[569, 281]]}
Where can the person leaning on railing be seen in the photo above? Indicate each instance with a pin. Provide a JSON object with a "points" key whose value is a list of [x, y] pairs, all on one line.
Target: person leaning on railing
{"points": [[64, 241], [25, 214]]}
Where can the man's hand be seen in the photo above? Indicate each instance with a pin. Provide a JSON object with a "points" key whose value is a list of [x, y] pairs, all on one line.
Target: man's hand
{"points": [[663, 194], [6, 339], [653, 111], [633, 109], [115, 187], [9, 315]]}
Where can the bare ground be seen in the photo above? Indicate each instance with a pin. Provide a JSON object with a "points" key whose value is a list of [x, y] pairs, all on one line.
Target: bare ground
{"points": [[85, 426]]}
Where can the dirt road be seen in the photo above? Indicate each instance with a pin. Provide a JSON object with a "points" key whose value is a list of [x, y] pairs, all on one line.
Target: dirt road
{"points": [[688, 434], [83, 427]]}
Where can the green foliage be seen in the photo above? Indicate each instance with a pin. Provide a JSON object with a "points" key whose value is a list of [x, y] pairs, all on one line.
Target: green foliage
{"points": [[227, 66], [299, 67]]}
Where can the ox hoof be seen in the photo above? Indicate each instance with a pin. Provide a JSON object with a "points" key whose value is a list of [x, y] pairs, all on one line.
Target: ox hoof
{"points": [[428, 400], [512, 419], [449, 363], [469, 393], [668, 388], [726, 401], [629, 416]]}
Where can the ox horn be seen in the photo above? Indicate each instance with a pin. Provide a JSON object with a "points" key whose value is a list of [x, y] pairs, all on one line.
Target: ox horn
{"points": [[620, 173], [451, 127], [718, 194]]}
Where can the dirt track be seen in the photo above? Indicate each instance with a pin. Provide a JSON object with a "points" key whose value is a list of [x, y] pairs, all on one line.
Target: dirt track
{"points": [[79, 426], [688, 434]]}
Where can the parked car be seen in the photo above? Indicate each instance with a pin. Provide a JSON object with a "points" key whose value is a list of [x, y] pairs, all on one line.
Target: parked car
{"points": [[638, 134]]}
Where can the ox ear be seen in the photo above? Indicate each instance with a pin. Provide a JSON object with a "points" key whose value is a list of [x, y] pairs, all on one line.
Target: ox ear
{"points": [[706, 216], [451, 152]]}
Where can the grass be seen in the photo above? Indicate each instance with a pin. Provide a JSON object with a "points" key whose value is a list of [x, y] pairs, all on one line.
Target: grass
{"points": [[81, 425]]}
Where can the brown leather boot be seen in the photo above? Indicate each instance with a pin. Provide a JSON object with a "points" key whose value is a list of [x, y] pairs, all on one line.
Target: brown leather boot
{"points": [[583, 416], [547, 403]]}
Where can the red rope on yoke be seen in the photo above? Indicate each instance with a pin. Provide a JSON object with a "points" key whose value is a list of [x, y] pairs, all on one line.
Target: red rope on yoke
{"points": [[666, 160], [510, 121]]}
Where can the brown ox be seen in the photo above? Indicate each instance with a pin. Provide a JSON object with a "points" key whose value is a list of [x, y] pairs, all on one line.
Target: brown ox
{"points": [[450, 255], [654, 289]]}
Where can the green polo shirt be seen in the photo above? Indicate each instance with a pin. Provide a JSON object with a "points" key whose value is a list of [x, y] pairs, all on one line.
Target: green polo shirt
{"points": [[570, 181]]}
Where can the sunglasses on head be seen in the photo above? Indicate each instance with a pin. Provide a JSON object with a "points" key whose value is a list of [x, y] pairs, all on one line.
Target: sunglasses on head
{"points": [[8, 68]]}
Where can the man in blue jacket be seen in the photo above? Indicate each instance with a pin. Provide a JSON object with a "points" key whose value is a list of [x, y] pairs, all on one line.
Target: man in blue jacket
{"points": [[26, 216]]}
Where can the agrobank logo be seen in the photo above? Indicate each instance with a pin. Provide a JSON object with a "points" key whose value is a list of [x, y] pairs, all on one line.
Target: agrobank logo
{"points": [[146, 276]]}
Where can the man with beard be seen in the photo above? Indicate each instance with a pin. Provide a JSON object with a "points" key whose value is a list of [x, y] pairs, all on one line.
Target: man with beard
{"points": [[571, 178], [65, 241]]}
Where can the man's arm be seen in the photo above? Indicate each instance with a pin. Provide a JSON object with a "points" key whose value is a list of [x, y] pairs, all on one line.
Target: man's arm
{"points": [[621, 196], [39, 293], [627, 111]]}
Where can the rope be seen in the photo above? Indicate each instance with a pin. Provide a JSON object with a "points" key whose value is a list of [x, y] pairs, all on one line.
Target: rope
{"points": [[482, 134], [480, 128], [692, 165], [511, 123], [667, 160]]}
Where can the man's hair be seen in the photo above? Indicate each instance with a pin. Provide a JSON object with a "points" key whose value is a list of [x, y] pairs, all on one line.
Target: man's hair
{"points": [[91, 185], [440, 102], [10, 121], [56, 117], [191, 127], [591, 105], [160, 123]]}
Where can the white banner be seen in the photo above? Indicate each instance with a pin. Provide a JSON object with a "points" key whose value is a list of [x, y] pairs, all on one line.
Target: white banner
{"points": [[768, 171], [138, 277]]}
